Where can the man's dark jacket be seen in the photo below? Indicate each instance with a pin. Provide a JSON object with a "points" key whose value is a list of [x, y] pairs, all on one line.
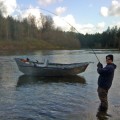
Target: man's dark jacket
{"points": [[106, 75]]}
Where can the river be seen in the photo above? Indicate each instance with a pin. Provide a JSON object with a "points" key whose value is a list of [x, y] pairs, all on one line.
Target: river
{"points": [[53, 98]]}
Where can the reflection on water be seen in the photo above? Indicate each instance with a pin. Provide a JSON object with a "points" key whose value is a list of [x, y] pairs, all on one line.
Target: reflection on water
{"points": [[102, 113], [24, 79]]}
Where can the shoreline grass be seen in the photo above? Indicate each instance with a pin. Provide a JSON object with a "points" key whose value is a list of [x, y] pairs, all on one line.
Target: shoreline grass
{"points": [[26, 46]]}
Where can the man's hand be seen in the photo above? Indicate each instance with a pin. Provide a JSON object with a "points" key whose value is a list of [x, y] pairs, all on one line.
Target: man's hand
{"points": [[99, 65]]}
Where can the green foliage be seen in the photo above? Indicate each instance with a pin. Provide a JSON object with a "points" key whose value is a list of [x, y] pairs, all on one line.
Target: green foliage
{"points": [[47, 36], [26, 30], [106, 40]]}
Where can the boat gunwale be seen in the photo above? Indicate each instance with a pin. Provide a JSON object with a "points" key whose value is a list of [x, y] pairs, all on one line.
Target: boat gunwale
{"points": [[58, 65]]}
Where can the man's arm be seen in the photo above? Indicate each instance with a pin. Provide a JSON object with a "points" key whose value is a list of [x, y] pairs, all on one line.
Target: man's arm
{"points": [[105, 70]]}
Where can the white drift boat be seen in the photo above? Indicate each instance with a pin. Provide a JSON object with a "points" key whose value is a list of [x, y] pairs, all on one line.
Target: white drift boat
{"points": [[49, 69]]}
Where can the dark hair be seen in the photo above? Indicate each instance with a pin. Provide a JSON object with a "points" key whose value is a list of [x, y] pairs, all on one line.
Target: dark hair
{"points": [[110, 56]]}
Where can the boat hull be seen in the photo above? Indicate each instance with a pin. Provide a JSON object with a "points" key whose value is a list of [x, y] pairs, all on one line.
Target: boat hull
{"points": [[52, 69]]}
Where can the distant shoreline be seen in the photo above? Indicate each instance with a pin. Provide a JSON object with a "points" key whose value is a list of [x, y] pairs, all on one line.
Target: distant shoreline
{"points": [[26, 47], [29, 52], [29, 45]]}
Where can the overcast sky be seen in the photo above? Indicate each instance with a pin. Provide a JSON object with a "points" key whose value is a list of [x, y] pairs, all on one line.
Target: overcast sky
{"points": [[87, 16]]}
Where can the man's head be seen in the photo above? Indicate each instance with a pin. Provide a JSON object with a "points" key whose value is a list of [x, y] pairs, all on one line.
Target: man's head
{"points": [[109, 59]]}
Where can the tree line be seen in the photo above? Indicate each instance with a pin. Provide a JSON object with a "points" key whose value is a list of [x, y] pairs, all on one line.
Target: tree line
{"points": [[109, 39], [26, 30]]}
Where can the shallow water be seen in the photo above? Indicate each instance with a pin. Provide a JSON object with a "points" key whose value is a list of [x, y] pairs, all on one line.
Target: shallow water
{"points": [[50, 98]]}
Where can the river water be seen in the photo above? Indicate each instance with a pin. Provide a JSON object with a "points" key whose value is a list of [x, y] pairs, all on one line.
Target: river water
{"points": [[63, 98]]}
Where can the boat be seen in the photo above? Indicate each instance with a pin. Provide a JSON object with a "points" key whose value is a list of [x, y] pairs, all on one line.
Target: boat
{"points": [[35, 68]]}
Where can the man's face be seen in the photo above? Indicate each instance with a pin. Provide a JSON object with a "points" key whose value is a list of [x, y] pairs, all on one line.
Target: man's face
{"points": [[108, 60]]}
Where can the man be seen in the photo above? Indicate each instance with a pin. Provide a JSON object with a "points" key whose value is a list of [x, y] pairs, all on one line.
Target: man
{"points": [[105, 79]]}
